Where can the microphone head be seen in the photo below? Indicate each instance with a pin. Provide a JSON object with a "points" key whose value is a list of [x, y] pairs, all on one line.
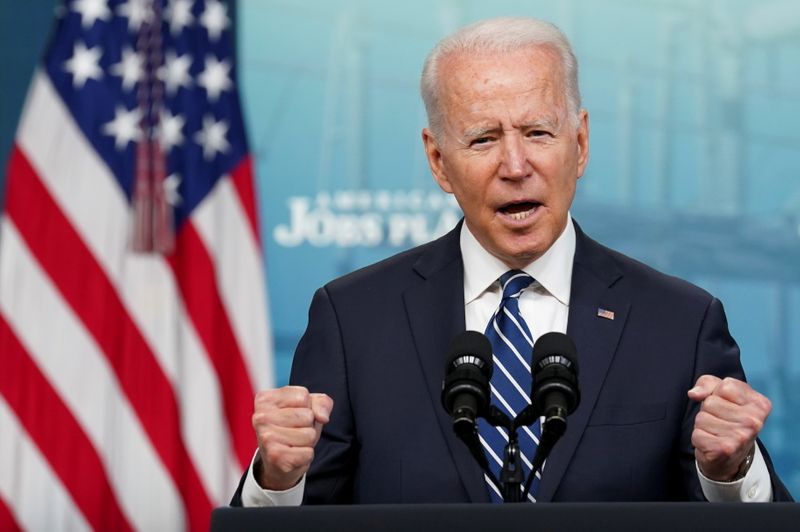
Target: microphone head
{"points": [[555, 370], [554, 344], [470, 347], [468, 368]]}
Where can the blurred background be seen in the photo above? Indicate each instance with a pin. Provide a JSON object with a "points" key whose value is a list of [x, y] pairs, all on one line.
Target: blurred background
{"points": [[695, 152]]}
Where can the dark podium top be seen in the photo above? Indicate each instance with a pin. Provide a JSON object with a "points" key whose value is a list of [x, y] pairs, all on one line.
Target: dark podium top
{"points": [[545, 517]]}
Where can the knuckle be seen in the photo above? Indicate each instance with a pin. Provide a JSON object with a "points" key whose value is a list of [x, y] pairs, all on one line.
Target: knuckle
{"points": [[306, 455], [705, 379], [298, 459], [754, 424], [257, 419], [304, 417], [327, 401], [728, 447], [262, 397], [766, 405], [728, 385], [285, 465], [274, 455], [308, 435], [711, 401], [297, 394], [266, 436]]}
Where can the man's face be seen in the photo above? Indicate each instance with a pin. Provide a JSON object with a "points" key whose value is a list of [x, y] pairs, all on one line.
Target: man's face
{"points": [[509, 152]]}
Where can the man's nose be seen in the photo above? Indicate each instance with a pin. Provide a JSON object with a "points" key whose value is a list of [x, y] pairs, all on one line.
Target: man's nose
{"points": [[514, 164]]}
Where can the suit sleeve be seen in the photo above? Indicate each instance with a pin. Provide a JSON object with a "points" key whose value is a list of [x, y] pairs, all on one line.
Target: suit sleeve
{"points": [[716, 354], [320, 365]]}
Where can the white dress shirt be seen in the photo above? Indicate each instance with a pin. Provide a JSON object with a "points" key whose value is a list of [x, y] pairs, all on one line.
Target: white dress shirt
{"points": [[546, 304]]}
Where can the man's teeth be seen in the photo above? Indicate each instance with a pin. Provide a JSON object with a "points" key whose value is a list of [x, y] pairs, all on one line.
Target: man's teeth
{"points": [[521, 215]]}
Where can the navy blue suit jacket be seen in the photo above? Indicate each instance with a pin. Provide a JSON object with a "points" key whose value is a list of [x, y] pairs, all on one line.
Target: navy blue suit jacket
{"points": [[376, 341]]}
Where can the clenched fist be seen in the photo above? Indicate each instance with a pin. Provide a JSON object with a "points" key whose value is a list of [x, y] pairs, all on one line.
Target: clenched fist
{"points": [[288, 422], [730, 418]]}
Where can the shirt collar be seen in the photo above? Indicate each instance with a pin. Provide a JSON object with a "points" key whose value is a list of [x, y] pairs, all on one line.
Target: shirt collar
{"points": [[553, 270]]}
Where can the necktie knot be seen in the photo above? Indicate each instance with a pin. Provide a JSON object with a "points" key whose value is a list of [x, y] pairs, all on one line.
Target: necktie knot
{"points": [[513, 282]]}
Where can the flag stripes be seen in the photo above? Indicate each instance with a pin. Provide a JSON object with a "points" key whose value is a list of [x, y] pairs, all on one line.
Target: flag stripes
{"points": [[128, 379], [147, 283], [222, 222], [199, 291], [7, 521], [57, 435], [145, 481], [27, 480], [94, 300]]}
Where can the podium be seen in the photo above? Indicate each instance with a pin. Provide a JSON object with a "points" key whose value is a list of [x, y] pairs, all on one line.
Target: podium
{"points": [[545, 517]]}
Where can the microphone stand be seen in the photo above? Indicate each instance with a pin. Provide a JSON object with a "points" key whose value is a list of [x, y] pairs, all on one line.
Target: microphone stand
{"points": [[512, 474], [553, 427], [468, 433]]}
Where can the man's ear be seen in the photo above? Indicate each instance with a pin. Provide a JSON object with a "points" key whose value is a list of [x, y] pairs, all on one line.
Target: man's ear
{"points": [[434, 155], [583, 141]]}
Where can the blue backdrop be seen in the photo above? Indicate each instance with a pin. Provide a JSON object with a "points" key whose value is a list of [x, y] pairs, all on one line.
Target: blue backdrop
{"points": [[695, 157]]}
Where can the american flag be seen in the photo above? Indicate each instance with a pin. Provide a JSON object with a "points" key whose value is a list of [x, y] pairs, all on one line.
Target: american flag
{"points": [[133, 319]]}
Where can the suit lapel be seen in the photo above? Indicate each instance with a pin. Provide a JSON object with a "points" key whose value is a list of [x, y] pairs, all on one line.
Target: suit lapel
{"points": [[596, 338], [435, 310]]}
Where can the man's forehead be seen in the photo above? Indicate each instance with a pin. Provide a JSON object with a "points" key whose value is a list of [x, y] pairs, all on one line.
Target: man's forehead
{"points": [[532, 72], [538, 100], [541, 56], [544, 103]]}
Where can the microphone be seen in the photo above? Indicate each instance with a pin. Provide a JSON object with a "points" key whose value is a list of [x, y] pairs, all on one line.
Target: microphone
{"points": [[465, 389], [555, 393]]}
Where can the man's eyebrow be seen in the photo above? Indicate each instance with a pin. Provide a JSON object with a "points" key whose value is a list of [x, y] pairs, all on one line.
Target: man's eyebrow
{"points": [[541, 123], [480, 131], [551, 124]]}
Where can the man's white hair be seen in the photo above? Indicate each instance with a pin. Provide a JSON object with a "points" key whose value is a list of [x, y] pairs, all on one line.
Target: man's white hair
{"points": [[498, 35]]}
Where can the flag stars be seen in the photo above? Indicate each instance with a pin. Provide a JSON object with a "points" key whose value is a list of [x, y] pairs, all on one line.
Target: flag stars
{"points": [[171, 185], [175, 72], [179, 15], [129, 68], [212, 137], [83, 64], [215, 77], [137, 12], [125, 127], [215, 19], [91, 11], [170, 130]]}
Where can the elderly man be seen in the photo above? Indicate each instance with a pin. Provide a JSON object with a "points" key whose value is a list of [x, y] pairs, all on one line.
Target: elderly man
{"points": [[665, 412]]}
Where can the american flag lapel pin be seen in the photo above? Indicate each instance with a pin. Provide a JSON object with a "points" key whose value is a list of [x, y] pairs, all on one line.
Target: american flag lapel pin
{"points": [[605, 313]]}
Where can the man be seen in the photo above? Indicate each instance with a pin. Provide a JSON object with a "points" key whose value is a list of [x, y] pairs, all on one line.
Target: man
{"points": [[665, 413]]}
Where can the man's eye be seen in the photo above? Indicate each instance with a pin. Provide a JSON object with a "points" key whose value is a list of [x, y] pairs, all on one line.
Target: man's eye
{"points": [[480, 140], [536, 133]]}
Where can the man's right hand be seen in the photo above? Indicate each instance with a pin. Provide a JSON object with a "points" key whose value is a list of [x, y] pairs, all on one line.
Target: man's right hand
{"points": [[288, 422]]}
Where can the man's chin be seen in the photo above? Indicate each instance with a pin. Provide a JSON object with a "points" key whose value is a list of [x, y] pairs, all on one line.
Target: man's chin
{"points": [[520, 258]]}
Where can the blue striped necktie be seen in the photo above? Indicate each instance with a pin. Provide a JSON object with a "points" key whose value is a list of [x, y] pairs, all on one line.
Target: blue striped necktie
{"points": [[512, 343]]}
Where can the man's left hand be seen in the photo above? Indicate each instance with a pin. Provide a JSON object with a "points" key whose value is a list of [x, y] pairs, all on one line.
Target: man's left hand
{"points": [[730, 418]]}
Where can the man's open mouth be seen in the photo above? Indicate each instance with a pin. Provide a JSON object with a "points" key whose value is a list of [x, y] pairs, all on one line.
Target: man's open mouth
{"points": [[520, 210]]}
